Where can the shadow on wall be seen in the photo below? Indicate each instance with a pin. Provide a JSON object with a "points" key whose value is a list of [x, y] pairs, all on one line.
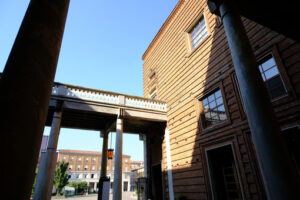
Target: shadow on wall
{"points": [[222, 164]]}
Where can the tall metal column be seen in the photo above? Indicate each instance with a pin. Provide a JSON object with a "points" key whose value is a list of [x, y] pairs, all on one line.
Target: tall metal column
{"points": [[103, 171], [276, 168], [117, 187], [44, 181], [25, 88]]}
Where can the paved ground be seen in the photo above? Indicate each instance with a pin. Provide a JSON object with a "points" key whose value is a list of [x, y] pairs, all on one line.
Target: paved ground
{"points": [[125, 196]]}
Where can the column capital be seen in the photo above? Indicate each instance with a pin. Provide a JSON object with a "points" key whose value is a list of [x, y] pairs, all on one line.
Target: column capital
{"points": [[59, 105], [214, 5], [121, 113]]}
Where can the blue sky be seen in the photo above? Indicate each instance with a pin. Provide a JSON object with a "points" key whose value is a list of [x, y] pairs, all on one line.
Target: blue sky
{"points": [[102, 48]]}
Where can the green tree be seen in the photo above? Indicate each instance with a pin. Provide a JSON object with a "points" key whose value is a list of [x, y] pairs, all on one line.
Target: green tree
{"points": [[61, 177], [79, 186], [35, 175]]}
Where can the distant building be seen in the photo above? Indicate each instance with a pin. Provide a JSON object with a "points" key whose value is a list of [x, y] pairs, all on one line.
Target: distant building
{"points": [[86, 166], [134, 175], [136, 164]]}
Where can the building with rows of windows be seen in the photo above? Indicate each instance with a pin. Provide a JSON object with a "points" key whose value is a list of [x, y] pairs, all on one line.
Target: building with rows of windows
{"points": [[86, 166], [188, 65]]}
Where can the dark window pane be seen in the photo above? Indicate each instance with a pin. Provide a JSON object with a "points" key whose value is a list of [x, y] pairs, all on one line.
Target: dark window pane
{"points": [[271, 76], [276, 87], [274, 82], [277, 92]]}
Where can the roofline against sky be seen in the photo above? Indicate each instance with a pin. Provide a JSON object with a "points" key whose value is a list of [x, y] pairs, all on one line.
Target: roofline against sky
{"points": [[172, 14]]}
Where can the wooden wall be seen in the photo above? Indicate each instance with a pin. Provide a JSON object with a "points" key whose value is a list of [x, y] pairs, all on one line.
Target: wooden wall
{"points": [[183, 76]]}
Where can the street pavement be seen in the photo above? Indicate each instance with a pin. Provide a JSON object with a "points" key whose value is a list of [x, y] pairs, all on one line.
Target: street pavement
{"points": [[125, 196]]}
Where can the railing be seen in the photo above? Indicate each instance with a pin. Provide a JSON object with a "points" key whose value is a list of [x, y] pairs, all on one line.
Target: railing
{"points": [[106, 97]]}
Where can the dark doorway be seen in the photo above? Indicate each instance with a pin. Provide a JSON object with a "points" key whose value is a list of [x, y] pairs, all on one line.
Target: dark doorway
{"points": [[223, 174], [125, 186], [292, 139], [157, 182]]}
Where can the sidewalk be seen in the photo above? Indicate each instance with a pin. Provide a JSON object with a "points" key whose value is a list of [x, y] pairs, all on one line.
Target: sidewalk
{"points": [[125, 196]]}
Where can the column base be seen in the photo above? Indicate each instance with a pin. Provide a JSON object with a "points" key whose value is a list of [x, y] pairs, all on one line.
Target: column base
{"points": [[100, 188]]}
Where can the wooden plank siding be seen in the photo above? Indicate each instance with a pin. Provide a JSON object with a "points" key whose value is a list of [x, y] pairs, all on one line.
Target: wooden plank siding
{"points": [[182, 77]]}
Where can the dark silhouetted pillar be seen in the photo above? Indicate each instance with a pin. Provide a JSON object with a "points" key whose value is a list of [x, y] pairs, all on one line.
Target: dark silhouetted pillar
{"points": [[25, 89], [103, 171], [276, 168]]}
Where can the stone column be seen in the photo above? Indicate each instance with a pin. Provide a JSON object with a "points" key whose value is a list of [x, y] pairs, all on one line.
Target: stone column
{"points": [[103, 172], [144, 139], [169, 164], [44, 180], [95, 186], [117, 187], [146, 189], [104, 154], [25, 88], [276, 168]]}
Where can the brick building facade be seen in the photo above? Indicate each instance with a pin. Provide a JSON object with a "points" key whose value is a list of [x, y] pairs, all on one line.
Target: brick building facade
{"points": [[86, 166], [188, 65]]}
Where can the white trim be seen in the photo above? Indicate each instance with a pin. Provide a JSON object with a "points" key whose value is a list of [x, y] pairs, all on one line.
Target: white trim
{"points": [[169, 165]]}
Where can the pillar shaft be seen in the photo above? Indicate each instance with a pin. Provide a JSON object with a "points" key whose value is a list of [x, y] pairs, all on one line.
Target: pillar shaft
{"points": [[145, 156], [44, 181], [117, 187], [103, 171], [26, 85], [272, 154], [104, 155]]}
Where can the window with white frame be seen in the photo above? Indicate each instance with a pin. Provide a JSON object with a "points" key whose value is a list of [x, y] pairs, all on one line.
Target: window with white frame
{"points": [[78, 167], [198, 32], [86, 159], [212, 108], [85, 167], [93, 168], [64, 158], [79, 158], [70, 167]]}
